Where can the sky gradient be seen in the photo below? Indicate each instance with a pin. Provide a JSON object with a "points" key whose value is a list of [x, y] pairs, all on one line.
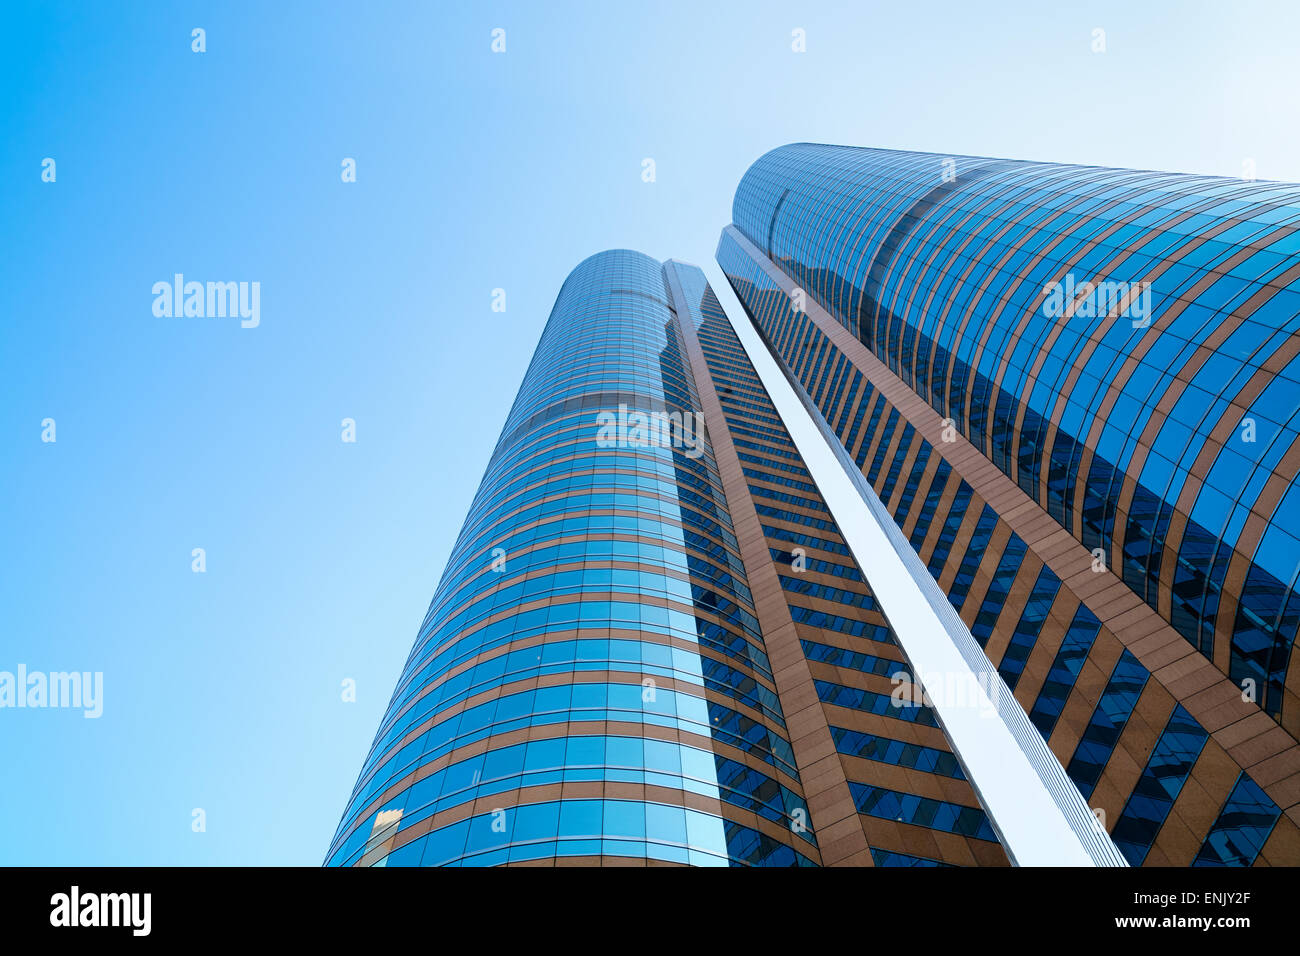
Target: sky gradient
{"points": [[475, 171]]}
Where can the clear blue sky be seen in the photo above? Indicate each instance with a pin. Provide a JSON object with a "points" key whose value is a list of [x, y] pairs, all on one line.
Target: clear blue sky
{"points": [[475, 171]]}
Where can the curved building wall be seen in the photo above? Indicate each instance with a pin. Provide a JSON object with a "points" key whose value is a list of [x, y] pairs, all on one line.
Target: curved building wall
{"points": [[590, 682], [1122, 344]]}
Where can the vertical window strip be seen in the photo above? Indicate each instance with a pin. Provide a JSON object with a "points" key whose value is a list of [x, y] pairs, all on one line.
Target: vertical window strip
{"points": [[1162, 779], [1107, 723], [1064, 671], [1028, 628], [1243, 826]]}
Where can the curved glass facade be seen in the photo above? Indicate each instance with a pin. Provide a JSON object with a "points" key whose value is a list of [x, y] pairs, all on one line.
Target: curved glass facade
{"points": [[1121, 344], [590, 681], [653, 643]]}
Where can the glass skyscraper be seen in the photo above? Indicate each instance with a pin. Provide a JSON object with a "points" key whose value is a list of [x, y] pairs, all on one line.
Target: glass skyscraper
{"points": [[651, 643], [594, 635], [1076, 390], [1067, 398]]}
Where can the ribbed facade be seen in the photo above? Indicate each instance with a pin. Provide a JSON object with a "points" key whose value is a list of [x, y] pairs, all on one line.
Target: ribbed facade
{"points": [[590, 683], [655, 647], [1077, 391]]}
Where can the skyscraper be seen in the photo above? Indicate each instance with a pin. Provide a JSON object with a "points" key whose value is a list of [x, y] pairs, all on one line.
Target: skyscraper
{"points": [[651, 642], [590, 682], [1049, 620], [1076, 391]]}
